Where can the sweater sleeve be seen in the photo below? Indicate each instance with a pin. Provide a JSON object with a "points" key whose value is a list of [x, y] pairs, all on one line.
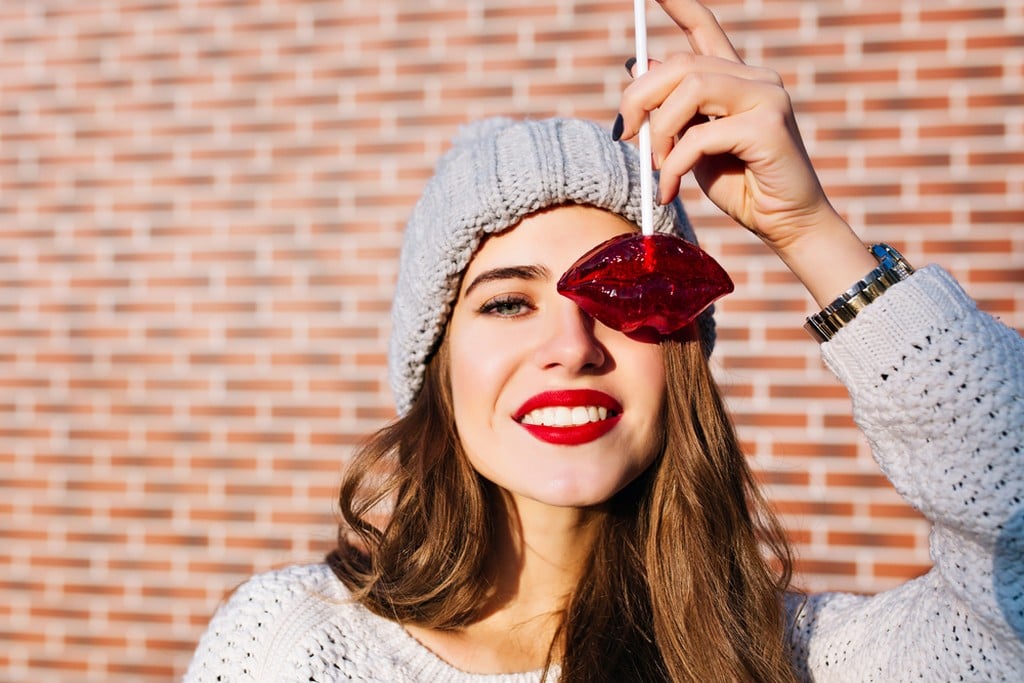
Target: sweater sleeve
{"points": [[937, 388]]}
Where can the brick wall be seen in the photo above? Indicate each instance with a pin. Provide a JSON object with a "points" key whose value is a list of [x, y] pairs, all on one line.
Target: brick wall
{"points": [[200, 209]]}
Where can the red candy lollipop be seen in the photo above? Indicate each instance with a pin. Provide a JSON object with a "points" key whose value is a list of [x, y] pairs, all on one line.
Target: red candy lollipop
{"points": [[633, 281]]}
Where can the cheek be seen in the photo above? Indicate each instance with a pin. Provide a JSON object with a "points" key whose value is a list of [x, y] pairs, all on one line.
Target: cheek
{"points": [[648, 394], [477, 372], [644, 364]]}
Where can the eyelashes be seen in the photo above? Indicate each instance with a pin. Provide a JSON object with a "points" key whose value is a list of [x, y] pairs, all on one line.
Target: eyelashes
{"points": [[507, 306]]}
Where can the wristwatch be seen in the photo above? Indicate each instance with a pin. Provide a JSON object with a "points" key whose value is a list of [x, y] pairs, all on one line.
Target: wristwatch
{"points": [[892, 268]]}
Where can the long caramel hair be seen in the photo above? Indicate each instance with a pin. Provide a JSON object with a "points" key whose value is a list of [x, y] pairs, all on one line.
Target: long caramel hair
{"points": [[684, 583]]}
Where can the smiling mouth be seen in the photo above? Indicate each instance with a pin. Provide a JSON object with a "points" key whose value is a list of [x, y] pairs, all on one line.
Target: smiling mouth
{"points": [[569, 417]]}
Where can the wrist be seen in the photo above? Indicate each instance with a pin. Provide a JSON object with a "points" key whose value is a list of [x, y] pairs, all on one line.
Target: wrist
{"points": [[827, 259], [891, 268]]}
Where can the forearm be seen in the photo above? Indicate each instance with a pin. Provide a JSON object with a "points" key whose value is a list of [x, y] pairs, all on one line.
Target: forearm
{"points": [[936, 387]]}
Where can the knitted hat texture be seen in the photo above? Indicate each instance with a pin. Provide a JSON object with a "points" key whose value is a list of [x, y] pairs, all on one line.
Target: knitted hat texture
{"points": [[497, 172]]}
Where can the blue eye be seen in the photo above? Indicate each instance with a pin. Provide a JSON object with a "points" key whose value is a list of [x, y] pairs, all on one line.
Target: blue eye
{"points": [[506, 306]]}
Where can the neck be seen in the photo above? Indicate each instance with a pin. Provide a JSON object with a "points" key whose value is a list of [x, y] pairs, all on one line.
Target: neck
{"points": [[540, 557]]}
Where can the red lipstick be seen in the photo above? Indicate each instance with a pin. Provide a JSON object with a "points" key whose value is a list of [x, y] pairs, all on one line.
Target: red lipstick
{"points": [[573, 434]]}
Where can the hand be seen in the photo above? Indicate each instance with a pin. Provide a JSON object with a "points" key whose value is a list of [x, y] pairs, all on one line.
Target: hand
{"points": [[733, 126]]}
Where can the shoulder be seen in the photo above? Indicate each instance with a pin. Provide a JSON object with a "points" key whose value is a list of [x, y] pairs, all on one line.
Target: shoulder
{"points": [[287, 586], [922, 629], [273, 616], [294, 596]]}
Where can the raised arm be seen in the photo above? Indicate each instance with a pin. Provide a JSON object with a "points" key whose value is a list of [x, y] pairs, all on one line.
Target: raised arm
{"points": [[937, 386]]}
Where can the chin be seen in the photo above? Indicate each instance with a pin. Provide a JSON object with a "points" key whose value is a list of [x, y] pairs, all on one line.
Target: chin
{"points": [[576, 494]]}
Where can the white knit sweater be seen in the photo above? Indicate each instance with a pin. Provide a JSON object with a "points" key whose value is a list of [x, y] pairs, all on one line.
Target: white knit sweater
{"points": [[937, 386]]}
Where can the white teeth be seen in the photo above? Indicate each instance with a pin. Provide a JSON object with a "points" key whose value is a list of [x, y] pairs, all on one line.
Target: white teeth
{"points": [[563, 416]]}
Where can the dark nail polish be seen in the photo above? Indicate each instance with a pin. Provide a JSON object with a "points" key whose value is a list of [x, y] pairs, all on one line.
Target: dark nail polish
{"points": [[629, 65], [657, 196], [617, 128]]}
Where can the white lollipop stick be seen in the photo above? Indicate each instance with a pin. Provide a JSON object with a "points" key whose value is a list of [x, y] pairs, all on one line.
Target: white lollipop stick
{"points": [[646, 168]]}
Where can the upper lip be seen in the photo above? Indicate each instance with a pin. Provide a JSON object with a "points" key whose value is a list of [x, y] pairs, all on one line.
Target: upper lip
{"points": [[569, 398]]}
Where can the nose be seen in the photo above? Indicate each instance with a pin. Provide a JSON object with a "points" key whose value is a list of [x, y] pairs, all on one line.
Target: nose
{"points": [[569, 340]]}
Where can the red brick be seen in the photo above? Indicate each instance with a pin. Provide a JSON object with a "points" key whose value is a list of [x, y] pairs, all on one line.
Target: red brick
{"points": [[872, 539], [893, 511], [805, 565], [808, 391], [903, 571], [814, 450], [782, 478], [811, 507]]}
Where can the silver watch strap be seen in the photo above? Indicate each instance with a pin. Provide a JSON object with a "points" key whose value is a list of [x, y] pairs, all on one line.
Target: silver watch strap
{"points": [[892, 268]]}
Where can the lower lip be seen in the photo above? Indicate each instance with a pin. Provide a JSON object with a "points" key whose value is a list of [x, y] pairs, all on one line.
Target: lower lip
{"points": [[572, 436]]}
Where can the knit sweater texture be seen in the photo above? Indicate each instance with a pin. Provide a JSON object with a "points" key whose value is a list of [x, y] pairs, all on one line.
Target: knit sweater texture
{"points": [[937, 387]]}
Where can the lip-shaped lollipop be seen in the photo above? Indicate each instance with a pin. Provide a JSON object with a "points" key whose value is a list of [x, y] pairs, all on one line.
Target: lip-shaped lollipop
{"points": [[635, 283]]}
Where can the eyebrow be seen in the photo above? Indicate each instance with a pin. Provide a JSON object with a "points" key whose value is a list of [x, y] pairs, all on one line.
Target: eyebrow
{"points": [[509, 273]]}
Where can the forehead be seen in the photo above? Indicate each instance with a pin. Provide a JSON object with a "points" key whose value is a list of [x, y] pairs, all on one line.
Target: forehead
{"points": [[554, 238]]}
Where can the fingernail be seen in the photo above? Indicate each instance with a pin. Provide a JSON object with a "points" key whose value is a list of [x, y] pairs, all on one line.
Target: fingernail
{"points": [[617, 128], [657, 196], [629, 65]]}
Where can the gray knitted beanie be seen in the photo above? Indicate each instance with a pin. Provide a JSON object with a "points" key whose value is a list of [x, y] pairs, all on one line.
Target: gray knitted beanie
{"points": [[497, 172]]}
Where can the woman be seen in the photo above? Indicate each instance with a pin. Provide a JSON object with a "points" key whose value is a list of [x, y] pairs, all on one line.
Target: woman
{"points": [[558, 500]]}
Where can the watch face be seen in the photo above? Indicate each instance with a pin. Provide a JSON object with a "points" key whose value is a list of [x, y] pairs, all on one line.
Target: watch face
{"points": [[892, 260]]}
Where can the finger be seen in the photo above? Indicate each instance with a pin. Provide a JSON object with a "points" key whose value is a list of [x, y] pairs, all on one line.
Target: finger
{"points": [[714, 95], [661, 145], [649, 91], [725, 136], [701, 28]]}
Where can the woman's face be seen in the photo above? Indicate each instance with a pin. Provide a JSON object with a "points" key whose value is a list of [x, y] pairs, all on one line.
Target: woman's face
{"points": [[550, 404]]}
